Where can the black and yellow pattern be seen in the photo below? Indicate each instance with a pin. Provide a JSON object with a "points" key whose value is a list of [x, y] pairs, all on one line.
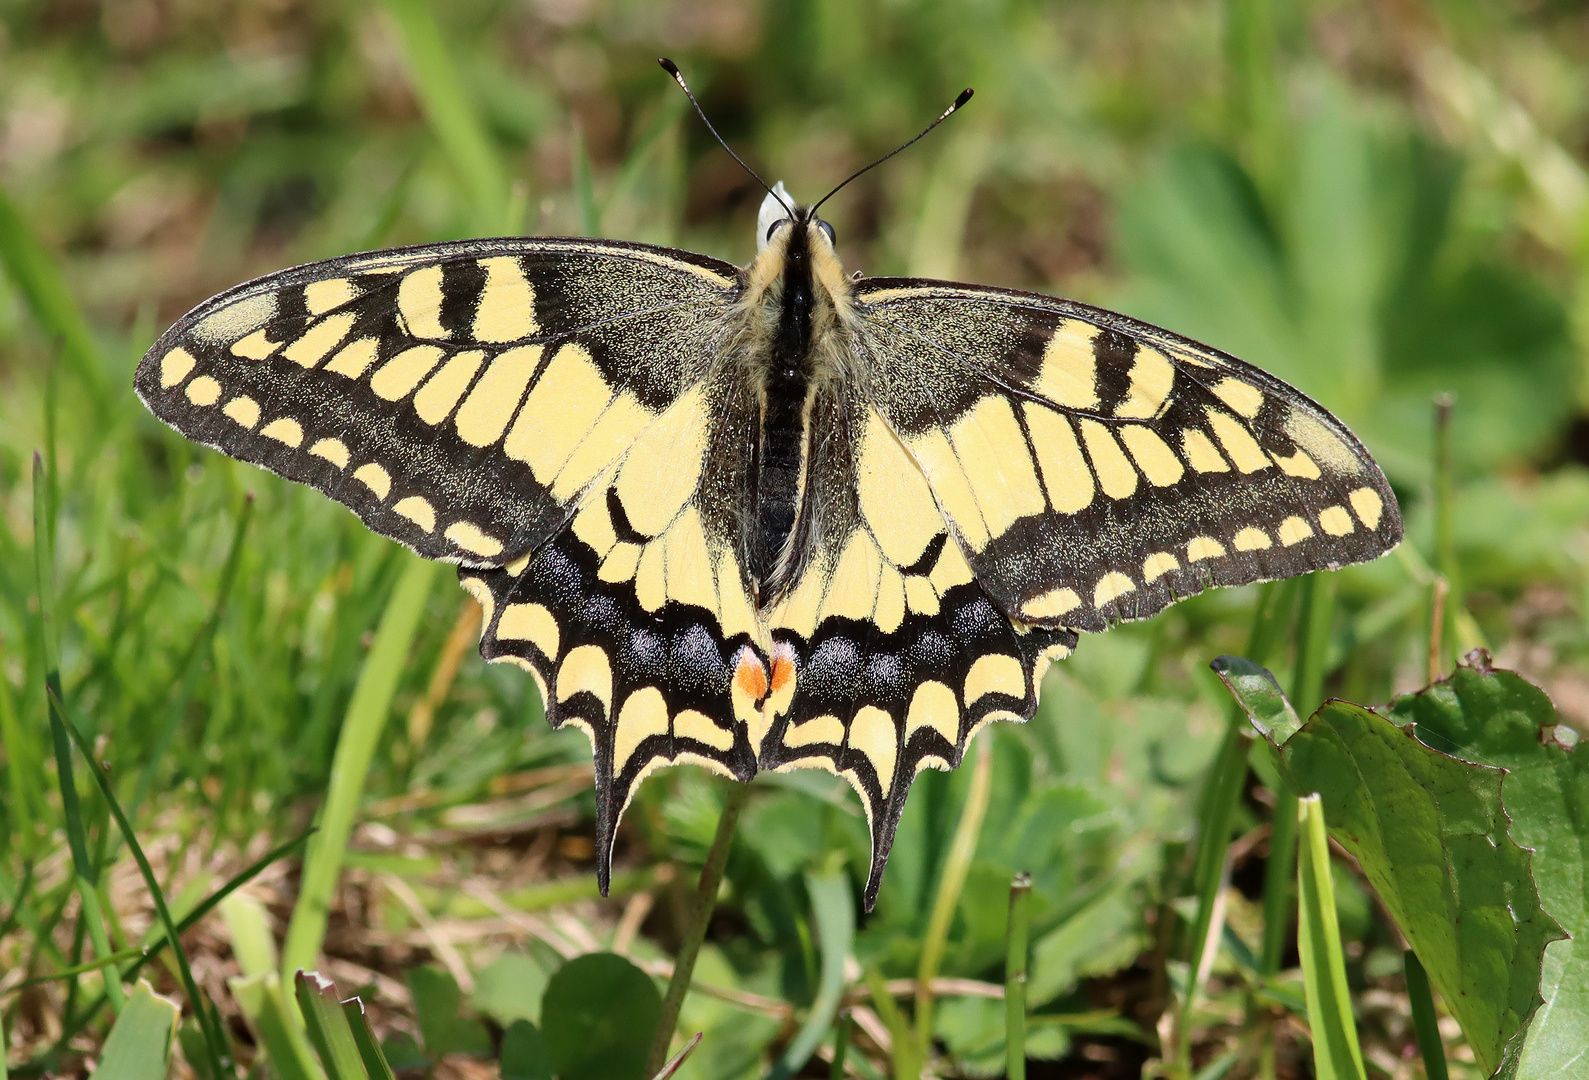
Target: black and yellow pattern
{"points": [[771, 517]]}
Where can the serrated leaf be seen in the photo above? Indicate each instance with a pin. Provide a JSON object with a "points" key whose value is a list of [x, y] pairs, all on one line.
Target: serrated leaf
{"points": [[1430, 835], [1499, 718]]}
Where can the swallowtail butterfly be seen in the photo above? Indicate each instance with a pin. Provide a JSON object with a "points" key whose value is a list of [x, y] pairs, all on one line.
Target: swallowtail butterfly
{"points": [[772, 517]]}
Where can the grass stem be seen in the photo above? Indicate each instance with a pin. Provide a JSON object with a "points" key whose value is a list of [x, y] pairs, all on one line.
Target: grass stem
{"points": [[1015, 976], [956, 866], [695, 930], [214, 1041], [92, 916], [361, 731], [1425, 1024]]}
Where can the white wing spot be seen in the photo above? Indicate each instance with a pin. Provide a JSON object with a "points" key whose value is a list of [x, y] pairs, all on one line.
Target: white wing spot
{"points": [[472, 538], [243, 409], [1243, 398], [255, 346], [1336, 521], [1204, 547], [1368, 505], [1051, 605], [1157, 565], [418, 510], [284, 429], [1294, 530], [175, 366], [321, 296], [333, 450], [1112, 586], [1251, 539], [375, 478]]}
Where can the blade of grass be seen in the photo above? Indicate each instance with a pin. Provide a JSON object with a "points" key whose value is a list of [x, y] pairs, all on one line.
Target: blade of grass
{"points": [[956, 866], [1015, 976], [695, 930], [1336, 1055], [37, 276], [584, 186], [677, 1060], [24, 808], [451, 114], [361, 730], [49, 649], [188, 667], [672, 107], [1425, 1024], [375, 1064], [841, 1045], [288, 1055], [1315, 612], [1225, 784], [833, 909], [1445, 542], [328, 1026], [208, 904], [213, 1040]]}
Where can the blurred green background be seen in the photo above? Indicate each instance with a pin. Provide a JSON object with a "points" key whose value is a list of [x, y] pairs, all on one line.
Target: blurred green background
{"points": [[1377, 201]]}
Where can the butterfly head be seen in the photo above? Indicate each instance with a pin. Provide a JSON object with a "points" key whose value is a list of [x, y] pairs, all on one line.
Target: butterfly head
{"points": [[779, 211]]}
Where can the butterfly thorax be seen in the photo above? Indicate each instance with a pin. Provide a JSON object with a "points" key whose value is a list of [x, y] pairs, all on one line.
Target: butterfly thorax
{"points": [[795, 303]]}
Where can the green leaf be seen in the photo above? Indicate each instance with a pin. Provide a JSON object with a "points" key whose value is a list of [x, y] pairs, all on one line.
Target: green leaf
{"points": [[139, 1046], [328, 1027], [599, 1015], [1429, 832], [1336, 1055], [1259, 696], [510, 988], [1499, 718], [437, 1007], [524, 1054]]}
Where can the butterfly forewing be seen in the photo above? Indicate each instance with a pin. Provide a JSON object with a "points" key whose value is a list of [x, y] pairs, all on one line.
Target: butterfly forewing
{"points": [[1097, 469], [457, 397]]}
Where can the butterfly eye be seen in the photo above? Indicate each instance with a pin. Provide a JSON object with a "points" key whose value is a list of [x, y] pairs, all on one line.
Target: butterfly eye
{"points": [[775, 226], [828, 229]]}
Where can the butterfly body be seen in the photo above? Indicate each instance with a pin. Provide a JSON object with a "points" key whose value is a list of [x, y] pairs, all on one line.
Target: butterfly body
{"points": [[774, 517]]}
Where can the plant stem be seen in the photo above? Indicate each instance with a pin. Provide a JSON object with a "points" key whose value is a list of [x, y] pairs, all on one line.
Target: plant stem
{"points": [[1015, 976], [955, 869], [1424, 1022], [1445, 542], [841, 1045], [695, 932]]}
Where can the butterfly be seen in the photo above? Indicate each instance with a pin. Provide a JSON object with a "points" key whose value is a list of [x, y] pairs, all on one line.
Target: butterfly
{"points": [[772, 517]]}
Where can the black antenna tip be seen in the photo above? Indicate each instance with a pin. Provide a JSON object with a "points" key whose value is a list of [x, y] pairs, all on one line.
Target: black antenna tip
{"points": [[965, 96], [668, 66]]}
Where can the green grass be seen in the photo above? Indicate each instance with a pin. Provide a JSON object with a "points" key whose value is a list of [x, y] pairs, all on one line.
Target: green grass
{"points": [[244, 655]]}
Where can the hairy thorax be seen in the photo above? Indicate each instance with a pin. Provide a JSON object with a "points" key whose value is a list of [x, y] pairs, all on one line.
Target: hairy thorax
{"points": [[794, 353]]}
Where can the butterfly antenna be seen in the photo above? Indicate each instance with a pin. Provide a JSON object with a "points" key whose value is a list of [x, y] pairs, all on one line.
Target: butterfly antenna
{"points": [[965, 96], [673, 69]]}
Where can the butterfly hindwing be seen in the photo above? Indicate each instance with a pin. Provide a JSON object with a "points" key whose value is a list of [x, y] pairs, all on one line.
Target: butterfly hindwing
{"points": [[1099, 469], [893, 653], [457, 397], [635, 617]]}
